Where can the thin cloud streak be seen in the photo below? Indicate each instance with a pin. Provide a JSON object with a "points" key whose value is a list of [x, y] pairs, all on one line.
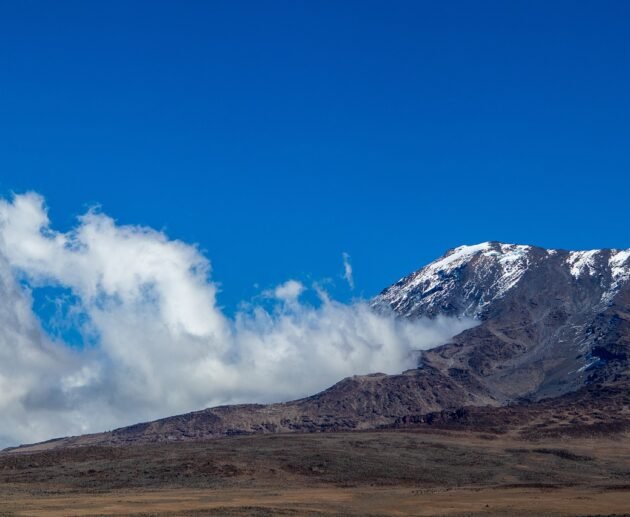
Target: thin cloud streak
{"points": [[347, 270]]}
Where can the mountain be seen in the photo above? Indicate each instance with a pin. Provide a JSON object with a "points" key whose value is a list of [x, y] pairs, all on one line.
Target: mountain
{"points": [[470, 280], [552, 324], [551, 320]]}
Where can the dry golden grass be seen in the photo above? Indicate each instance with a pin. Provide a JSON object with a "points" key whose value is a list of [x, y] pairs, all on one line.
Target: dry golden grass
{"points": [[376, 473], [326, 501]]}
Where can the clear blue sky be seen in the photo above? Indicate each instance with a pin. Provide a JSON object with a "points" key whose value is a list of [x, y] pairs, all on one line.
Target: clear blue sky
{"points": [[278, 135]]}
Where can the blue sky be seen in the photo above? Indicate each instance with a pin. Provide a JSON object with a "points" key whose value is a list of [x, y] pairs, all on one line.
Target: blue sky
{"points": [[278, 135]]}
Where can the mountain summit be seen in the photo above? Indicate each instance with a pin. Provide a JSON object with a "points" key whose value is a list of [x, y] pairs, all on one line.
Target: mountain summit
{"points": [[468, 279], [551, 320]]}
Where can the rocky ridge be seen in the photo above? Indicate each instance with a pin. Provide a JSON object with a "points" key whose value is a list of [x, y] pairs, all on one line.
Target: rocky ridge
{"points": [[551, 320]]}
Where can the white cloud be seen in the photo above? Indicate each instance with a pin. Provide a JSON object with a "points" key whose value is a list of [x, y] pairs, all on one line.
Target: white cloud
{"points": [[347, 270], [163, 345], [289, 291]]}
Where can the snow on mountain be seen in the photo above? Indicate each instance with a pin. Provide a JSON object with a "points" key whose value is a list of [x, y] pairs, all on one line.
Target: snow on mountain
{"points": [[467, 279], [619, 263], [582, 262]]}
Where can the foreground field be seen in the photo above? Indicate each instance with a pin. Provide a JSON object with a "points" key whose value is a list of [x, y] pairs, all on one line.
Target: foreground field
{"points": [[329, 501], [377, 473]]}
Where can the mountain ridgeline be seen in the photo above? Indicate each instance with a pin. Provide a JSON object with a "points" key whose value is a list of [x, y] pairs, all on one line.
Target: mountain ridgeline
{"points": [[551, 320], [553, 324]]}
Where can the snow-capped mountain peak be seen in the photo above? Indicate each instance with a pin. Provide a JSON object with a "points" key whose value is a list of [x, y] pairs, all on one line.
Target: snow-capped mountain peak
{"points": [[467, 279], [549, 320]]}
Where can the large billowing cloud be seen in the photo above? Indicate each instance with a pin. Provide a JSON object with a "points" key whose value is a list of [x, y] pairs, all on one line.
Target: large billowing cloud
{"points": [[161, 344]]}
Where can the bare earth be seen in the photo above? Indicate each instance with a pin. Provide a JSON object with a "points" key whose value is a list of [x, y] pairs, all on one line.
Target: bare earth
{"points": [[406, 472]]}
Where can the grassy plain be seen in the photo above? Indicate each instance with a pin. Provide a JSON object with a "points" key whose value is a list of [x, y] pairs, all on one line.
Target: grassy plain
{"points": [[369, 473]]}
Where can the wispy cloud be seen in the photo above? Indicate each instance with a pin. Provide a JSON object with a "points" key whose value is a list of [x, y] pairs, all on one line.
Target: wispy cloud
{"points": [[347, 270], [289, 291], [162, 344]]}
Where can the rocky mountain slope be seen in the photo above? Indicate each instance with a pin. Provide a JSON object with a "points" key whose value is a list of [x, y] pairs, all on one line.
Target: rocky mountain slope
{"points": [[356, 403], [552, 323], [551, 320]]}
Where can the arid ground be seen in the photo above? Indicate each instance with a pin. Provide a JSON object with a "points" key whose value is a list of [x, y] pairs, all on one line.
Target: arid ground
{"points": [[405, 472]]}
